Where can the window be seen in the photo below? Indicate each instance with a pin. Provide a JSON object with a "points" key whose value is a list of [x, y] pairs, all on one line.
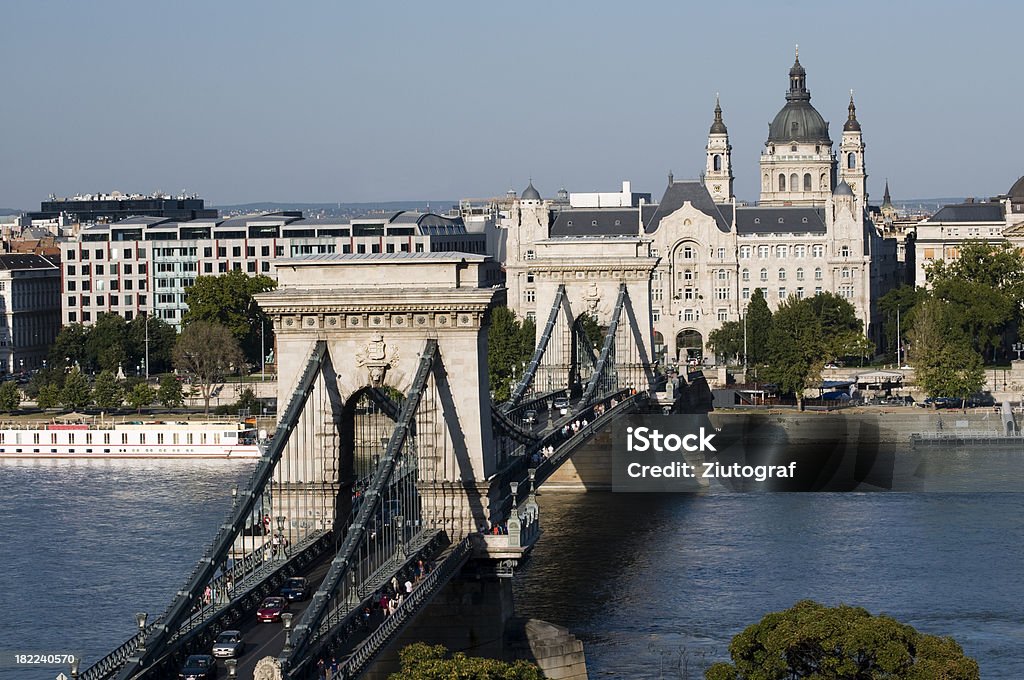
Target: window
{"points": [[745, 252], [688, 252], [222, 251], [71, 270], [807, 181], [265, 251], [529, 295], [818, 250], [723, 314], [657, 294], [721, 293], [278, 251], [250, 251], [782, 182], [799, 274], [71, 285], [745, 294], [817, 290], [250, 267], [782, 251], [723, 275], [800, 251], [98, 253], [208, 251], [782, 274], [764, 273], [222, 267], [793, 182], [721, 253], [128, 300], [844, 251], [655, 315], [207, 267], [236, 251], [762, 252], [717, 163], [688, 275], [745, 274], [817, 273], [688, 294], [845, 272], [529, 277], [530, 255], [687, 315], [800, 293], [851, 160], [71, 301], [782, 293]]}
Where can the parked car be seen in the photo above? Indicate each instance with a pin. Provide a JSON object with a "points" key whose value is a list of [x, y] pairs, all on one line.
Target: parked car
{"points": [[198, 667], [295, 588], [271, 609], [228, 644], [981, 400]]}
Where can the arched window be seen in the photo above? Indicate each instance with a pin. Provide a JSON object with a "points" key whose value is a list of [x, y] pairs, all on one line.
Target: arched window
{"points": [[782, 274], [794, 182], [799, 274], [844, 251], [851, 160], [745, 274], [782, 182], [764, 273], [817, 273], [807, 181], [718, 162]]}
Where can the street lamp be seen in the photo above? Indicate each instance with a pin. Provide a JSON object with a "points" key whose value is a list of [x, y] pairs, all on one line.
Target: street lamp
{"points": [[286, 619], [280, 531], [1018, 347], [74, 667], [140, 618], [232, 664]]}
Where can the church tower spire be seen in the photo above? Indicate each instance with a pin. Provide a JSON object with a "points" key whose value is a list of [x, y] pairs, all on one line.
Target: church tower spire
{"points": [[718, 176], [851, 156]]}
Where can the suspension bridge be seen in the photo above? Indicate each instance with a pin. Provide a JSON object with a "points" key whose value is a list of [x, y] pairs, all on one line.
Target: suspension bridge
{"points": [[390, 461]]}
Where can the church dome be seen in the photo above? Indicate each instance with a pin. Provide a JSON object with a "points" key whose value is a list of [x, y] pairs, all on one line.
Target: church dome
{"points": [[530, 193], [1017, 191], [718, 126], [843, 189], [798, 121]]}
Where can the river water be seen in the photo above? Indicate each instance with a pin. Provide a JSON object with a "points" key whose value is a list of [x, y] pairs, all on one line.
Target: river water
{"points": [[653, 584]]}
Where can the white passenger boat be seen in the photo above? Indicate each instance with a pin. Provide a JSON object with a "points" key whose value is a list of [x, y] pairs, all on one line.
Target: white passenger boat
{"points": [[130, 439]]}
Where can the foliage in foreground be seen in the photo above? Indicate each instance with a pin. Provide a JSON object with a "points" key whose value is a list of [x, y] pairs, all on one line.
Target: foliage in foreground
{"points": [[423, 662], [811, 640], [509, 348]]}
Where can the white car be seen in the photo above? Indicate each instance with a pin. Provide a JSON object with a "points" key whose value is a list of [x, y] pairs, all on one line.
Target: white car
{"points": [[228, 645], [561, 405]]}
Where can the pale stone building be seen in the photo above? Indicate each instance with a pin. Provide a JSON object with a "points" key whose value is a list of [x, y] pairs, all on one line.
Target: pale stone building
{"points": [[998, 220], [809, 233]]}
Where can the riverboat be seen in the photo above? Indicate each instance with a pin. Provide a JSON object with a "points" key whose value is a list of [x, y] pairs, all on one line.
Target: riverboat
{"points": [[130, 439]]}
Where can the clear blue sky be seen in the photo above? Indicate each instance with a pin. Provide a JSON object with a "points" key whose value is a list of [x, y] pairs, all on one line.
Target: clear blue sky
{"points": [[345, 101]]}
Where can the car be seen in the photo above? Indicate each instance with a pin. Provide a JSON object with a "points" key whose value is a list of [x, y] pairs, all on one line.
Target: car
{"points": [[198, 667], [832, 366], [530, 417], [561, 405], [271, 609], [295, 588], [228, 645]]}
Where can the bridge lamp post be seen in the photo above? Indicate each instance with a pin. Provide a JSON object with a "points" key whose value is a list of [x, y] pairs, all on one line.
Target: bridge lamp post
{"points": [[280, 531], [74, 668], [232, 665], [286, 619], [399, 524], [140, 618], [1018, 347]]}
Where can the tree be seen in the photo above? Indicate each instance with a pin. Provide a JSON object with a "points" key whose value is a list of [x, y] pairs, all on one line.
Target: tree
{"points": [[509, 349], [811, 640], [141, 395], [208, 352], [76, 393], [49, 396], [727, 341], [945, 364], [107, 342], [985, 284], [70, 346], [10, 396], [46, 376], [162, 337], [796, 347], [423, 662], [592, 330], [759, 325], [227, 300], [170, 394], [898, 302], [107, 393]]}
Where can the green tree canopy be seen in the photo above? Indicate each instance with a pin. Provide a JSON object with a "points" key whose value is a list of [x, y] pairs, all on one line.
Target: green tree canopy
{"points": [[76, 393], [162, 337], [141, 395], [107, 393], [811, 640], [509, 348], [10, 396], [985, 284], [70, 346], [227, 300], [727, 341], [945, 364], [902, 300], [591, 330], [170, 394], [796, 347], [49, 396], [106, 343], [759, 325], [207, 352], [423, 662]]}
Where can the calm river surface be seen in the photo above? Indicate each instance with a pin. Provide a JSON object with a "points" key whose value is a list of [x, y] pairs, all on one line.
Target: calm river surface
{"points": [[649, 582]]}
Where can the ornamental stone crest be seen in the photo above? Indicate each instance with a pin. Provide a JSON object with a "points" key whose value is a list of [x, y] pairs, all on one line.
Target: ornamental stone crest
{"points": [[377, 357], [267, 668], [592, 297]]}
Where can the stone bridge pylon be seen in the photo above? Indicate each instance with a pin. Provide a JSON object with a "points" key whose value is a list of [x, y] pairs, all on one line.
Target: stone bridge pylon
{"points": [[376, 314]]}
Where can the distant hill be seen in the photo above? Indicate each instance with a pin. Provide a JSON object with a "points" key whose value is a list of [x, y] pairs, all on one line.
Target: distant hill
{"points": [[10, 211]]}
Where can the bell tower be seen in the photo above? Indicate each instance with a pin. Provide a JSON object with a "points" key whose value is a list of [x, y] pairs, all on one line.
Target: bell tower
{"points": [[718, 176], [851, 157]]}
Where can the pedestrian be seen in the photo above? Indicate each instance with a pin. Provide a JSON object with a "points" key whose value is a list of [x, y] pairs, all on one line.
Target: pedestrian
{"points": [[321, 669], [408, 587], [208, 595], [334, 666]]}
